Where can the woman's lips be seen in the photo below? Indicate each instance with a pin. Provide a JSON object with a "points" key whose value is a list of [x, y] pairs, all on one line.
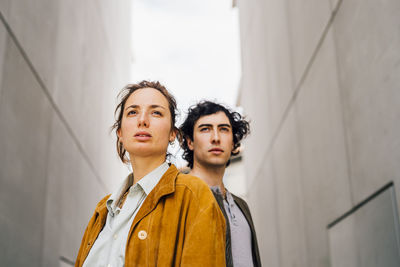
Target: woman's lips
{"points": [[142, 136]]}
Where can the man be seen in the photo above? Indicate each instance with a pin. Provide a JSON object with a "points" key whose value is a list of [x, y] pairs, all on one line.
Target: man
{"points": [[212, 134]]}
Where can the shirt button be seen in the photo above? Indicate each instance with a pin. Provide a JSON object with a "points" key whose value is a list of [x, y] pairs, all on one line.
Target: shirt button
{"points": [[142, 234], [115, 237]]}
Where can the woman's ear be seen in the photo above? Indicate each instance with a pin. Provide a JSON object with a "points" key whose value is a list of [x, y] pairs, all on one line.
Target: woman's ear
{"points": [[119, 135]]}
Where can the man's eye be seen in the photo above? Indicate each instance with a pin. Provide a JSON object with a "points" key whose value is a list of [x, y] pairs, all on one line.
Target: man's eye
{"points": [[156, 112], [225, 129], [132, 112], [203, 129]]}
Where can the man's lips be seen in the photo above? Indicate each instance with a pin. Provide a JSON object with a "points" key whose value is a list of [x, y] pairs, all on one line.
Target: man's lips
{"points": [[216, 150]]}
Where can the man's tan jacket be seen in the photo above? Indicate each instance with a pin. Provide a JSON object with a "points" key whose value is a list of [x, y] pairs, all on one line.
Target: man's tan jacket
{"points": [[179, 224]]}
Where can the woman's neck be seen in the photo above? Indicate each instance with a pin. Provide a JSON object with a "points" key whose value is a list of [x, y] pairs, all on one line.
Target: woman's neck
{"points": [[212, 176], [142, 166]]}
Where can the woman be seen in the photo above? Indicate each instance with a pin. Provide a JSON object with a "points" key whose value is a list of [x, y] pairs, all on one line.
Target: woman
{"points": [[158, 216]]}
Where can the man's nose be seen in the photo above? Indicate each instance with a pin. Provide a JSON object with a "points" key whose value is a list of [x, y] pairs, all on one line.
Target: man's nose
{"points": [[215, 138]]}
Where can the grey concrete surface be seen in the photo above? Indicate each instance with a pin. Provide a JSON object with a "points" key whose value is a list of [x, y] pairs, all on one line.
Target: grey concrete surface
{"points": [[116, 27], [343, 245], [255, 80], [377, 233], [334, 4], [265, 215], [371, 231], [279, 72], [25, 119], [61, 66], [3, 45], [72, 193], [289, 197], [80, 47], [330, 138], [84, 60], [80, 188], [368, 45], [307, 21], [264, 77], [323, 153], [5, 8], [36, 32]]}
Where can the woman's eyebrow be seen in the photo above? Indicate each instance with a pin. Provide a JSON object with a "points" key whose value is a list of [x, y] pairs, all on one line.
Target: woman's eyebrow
{"points": [[132, 106], [157, 106], [138, 107]]}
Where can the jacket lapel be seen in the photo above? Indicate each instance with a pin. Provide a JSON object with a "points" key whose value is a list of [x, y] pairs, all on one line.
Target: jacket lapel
{"points": [[243, 207], [165, 186], [102, 210], [245, 210]]}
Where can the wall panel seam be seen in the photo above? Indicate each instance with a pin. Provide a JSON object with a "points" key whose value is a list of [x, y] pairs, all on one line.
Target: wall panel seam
{"points": [[298, 87], [51, 100]]}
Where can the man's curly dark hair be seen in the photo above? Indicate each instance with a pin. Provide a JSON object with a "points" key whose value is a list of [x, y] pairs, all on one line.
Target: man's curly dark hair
{"points": [[240, 127]]}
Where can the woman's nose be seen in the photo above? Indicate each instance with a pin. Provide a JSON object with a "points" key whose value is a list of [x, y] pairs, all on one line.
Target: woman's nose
{"points": [[143, 120]]}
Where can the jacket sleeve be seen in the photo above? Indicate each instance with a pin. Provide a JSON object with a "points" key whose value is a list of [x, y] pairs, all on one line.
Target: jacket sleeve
{"points": [[204, 243], [92, 230], [82, 248]]}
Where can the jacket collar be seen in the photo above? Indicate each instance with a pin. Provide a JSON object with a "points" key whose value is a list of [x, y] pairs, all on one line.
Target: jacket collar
{"points": [[165, 186]]}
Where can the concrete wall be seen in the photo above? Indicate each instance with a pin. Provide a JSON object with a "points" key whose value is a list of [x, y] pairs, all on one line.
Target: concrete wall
{"points": [[320, 82], [61, 66]]}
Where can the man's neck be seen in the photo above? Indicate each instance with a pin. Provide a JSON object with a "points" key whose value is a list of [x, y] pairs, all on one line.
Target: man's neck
{"points": [[212, 175]]}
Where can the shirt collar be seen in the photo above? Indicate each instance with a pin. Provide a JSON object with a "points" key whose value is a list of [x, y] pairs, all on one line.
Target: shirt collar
{"points": [[147, 183], [117, 194], [216, 189], [229, 198]]}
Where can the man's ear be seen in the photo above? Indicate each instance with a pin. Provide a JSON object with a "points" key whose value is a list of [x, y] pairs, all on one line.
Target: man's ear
{"points": [[235, 151], [189, 143]]}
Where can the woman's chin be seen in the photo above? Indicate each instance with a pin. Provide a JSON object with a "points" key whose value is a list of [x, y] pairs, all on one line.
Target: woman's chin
{"points": [[147, 153]]}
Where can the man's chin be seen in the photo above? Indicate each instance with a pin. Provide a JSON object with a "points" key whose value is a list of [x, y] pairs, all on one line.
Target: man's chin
{"points": [[216, 163]]}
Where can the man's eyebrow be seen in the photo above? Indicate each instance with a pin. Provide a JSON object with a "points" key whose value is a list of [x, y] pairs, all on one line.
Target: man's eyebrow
{"points": [[204, 125], [210, 125]]}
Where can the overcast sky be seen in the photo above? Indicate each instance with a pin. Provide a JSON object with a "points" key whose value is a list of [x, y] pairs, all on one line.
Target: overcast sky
{"points": [[191, 46]]}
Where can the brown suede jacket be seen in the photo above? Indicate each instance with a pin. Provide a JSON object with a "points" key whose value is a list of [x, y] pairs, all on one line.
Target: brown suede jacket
{"points": [[179, 224]]}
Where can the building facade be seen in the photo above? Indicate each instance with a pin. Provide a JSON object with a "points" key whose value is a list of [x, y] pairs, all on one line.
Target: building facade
{"points": [[62, 64], [320, 82]]}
